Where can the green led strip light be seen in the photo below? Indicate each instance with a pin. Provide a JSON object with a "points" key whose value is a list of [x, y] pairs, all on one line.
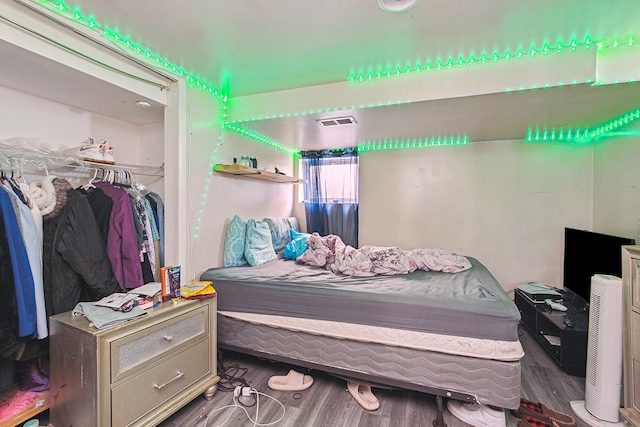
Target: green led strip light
{"points": [[484, 59], [257, 137], [598, 132], [131, 46], [191, 79], [398, 144], [136, 48], [321, 111], [203, 198], [586, 135]]}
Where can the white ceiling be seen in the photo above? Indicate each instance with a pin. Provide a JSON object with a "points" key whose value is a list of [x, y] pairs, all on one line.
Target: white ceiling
{"points": [[255, 46]]}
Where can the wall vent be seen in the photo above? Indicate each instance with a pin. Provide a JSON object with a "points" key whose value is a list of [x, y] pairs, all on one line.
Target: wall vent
{"points": [[337, 121]]}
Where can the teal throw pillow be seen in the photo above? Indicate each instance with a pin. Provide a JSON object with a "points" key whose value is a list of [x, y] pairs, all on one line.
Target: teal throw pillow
{"points": [[258, 248], [279, 228], [293, 223], [234, 241]]}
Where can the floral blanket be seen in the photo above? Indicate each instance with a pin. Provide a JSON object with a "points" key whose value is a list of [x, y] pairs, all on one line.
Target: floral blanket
{"points": [[331, 253]]}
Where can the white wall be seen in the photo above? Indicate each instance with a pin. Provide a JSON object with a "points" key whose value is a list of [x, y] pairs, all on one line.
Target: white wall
{"points": [[617, 187], [505, 203], [215, 197]]}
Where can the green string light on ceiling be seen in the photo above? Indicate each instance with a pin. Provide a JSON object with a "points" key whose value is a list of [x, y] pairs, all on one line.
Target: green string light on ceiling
{"points": [[136, 48], [399, 144], [260, 138], [322, 111], [496, 57], [191, 79], [560, 47], [133, 47], [551, 135], [584, 136]]}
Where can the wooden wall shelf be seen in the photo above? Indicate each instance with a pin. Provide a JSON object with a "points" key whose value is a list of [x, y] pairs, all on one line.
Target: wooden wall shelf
{"points": [[257, 174]]}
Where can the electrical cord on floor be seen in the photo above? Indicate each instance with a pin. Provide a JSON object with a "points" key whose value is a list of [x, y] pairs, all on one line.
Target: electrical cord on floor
{"points": [[231, 376], [246, 391]]}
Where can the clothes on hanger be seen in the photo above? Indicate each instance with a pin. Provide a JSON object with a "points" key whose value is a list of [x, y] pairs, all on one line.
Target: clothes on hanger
{"points": [[101, 205], [17, 317], [56, 248], [76, 265], [31, 237], [54, 243], [122, 243], [147, 240]]}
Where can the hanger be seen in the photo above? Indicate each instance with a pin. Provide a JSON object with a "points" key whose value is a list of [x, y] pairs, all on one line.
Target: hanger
{"points": [[90, 184], [108, 176], [21, 178]]}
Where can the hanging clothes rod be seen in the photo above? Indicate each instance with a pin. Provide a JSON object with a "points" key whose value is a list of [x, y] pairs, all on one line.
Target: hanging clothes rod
{"points": [[40, 161]]}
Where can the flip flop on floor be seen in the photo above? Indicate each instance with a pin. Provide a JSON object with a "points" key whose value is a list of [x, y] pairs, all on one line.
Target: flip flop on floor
{"points": [[293, 381], [363, 395]]}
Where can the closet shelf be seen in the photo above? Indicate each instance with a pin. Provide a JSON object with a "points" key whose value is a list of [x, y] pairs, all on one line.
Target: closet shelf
{"points": [[21, 159], [136, 169], [40, 404], [257, 174]]}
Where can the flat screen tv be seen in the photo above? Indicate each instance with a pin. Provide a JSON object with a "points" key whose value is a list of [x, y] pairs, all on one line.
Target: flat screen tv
{"points": [[587, 253]]}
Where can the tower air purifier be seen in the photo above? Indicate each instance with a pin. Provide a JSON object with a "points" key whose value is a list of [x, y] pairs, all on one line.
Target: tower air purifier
{"points": [[603, 380]]}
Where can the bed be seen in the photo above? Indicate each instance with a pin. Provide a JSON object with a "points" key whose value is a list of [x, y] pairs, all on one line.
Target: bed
{"points": [[447, 334]]}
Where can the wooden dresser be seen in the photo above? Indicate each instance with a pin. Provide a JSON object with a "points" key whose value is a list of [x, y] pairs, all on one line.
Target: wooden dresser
{"points": [[135, 374], [631, 334]]}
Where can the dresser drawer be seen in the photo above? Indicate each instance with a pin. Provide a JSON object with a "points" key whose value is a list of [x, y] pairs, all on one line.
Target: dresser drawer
{"points": [[142, 393], [137, 350]]}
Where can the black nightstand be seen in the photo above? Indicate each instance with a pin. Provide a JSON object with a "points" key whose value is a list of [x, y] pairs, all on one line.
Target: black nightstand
{"points": [[566, 345]]}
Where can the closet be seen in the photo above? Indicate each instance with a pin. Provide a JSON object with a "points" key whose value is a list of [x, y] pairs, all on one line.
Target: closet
{"points": [[59, 85]]}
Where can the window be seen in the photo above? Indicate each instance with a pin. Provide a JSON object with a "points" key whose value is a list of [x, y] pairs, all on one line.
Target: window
{"points": [[331, 193], [335, 181]]}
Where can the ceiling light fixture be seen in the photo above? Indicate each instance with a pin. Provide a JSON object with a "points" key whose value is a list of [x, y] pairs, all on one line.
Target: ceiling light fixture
{"points": [[143, 104], [396, 5]]}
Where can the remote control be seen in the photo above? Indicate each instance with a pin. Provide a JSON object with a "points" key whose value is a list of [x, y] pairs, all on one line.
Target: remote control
{"points": [[555, 305]]}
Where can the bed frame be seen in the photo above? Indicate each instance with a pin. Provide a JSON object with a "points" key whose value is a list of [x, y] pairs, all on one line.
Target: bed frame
{"points": [[486, 381]]}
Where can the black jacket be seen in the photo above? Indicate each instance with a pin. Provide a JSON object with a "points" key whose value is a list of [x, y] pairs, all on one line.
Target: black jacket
{"points": [[75, 262]]}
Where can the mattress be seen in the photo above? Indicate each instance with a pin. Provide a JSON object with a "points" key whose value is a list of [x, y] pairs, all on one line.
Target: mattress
{"points": [[470, 303], [486, 381]]}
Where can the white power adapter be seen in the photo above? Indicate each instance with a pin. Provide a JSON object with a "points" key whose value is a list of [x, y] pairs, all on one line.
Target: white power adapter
{"points": [[244, 391]]}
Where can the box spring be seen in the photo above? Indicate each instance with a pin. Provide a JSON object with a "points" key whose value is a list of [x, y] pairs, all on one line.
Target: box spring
{"points": [[485, 381]]}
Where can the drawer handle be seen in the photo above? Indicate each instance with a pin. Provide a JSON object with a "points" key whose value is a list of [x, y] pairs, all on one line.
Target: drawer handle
{"points": [[168, 338], [179, 375]]}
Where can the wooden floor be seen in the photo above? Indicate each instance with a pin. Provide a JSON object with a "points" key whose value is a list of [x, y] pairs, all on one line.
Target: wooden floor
{"points": [[327, 403]]}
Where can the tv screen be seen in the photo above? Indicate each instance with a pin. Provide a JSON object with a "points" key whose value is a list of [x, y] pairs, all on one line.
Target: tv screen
{"points": [[587, 253]]}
